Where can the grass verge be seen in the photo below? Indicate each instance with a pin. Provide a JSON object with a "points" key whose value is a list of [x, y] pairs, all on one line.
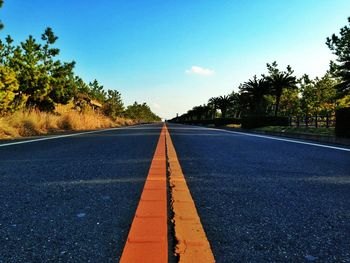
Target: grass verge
{"points": [[299, 130], [31, 123]]}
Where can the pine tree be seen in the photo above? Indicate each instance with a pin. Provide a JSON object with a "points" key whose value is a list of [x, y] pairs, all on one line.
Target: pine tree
{"points": [[113, 107], [1, 24], [8, 90], [340, 45]]}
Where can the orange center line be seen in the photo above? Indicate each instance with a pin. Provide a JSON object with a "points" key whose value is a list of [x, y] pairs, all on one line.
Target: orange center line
{"points": [[148, 237], [193, 245]]}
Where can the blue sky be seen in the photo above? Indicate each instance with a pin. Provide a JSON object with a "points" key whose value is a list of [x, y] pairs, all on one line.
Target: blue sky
{"points": [[177, 54]]}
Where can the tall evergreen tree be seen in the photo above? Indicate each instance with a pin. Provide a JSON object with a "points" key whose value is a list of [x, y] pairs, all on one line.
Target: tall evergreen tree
{"points": [[340, 45], [113, 107], [140, 112], [6, 51], [97, 92], [43, 80], [8, 90], [32, 75], [318, 96], [1, 24]]}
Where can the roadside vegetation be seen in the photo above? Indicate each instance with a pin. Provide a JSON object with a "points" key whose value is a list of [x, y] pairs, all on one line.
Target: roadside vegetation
{"points": [[279, 93], [298, 130], [35, 122], [39, 93]]}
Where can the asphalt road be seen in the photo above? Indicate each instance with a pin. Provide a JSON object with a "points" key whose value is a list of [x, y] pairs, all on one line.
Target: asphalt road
{"points": [[260, 200], [72, 199], [263, 200]]}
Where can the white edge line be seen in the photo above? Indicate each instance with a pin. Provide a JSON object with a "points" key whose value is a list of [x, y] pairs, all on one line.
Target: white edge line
{"points": [[287, 140], [67, 135], [281, 139]]}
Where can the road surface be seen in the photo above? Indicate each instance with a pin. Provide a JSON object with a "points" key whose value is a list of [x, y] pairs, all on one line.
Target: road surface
{"points": [[73, 199], [264, 200]]}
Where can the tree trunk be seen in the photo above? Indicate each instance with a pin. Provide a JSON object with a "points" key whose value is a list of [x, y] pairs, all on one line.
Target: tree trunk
{"points": [[278, 98], [223, 113]]}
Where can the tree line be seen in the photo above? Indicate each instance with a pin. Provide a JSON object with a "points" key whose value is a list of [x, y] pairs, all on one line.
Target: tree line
{"points": [[32, 77], [281, 93]]}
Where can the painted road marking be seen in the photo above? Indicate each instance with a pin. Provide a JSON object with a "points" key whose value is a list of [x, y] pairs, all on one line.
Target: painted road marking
{"points": [[278, 139], [287, 140], [68, 135], [193, 245], [148, 236]]}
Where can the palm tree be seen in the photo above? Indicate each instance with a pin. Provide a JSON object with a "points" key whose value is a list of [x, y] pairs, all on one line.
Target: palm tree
{"points": [[224, 102], [279, 81], [214, 101], [256, 89], [206, 111], [190, 115], [235, 107], [198, 112], [243, 101]]}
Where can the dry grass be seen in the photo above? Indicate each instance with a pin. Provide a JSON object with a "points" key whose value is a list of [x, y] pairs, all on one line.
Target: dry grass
{"points": [[24, 123], [236, 126]]}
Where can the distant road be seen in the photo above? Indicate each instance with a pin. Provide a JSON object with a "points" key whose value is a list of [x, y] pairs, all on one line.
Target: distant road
{"points": [[72, 199], [260, 199], [266, 200]]}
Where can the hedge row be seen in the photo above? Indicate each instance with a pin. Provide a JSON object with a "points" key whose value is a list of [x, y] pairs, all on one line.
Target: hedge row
{"points": [[247, 122], [342, 124], [217, 122], [256, 121], [342, 127]]}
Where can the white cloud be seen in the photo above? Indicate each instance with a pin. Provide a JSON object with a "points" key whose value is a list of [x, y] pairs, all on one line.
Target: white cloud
{"points": [[156, 106], [200, 71]]}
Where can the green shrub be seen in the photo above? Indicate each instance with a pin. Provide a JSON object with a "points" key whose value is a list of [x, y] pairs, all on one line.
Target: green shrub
{"points": [[342, 124], [256, 121]]}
